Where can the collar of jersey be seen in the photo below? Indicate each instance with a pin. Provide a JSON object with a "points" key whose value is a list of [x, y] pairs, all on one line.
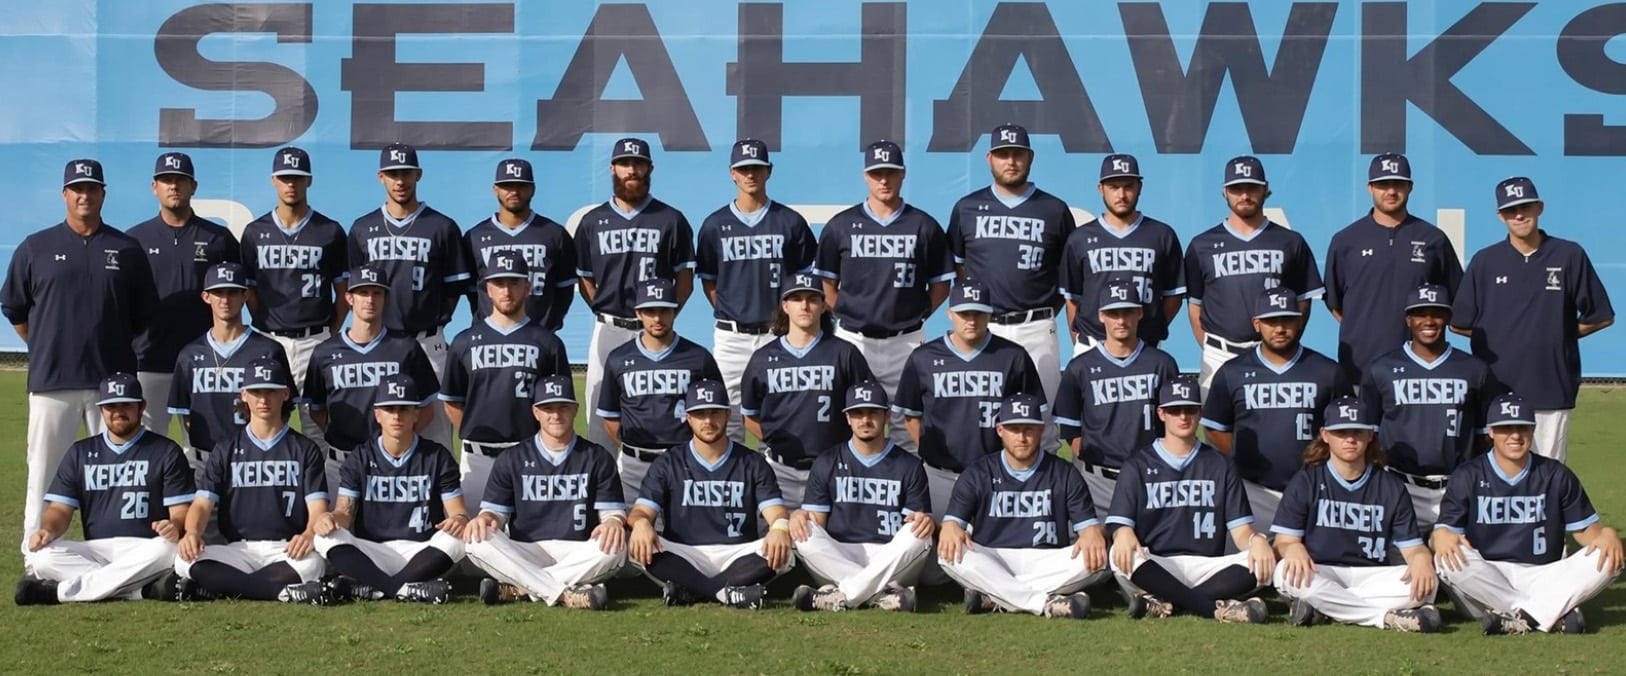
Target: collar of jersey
{"points": [[1430, 365], [948, 341], [510, 330], [638, 342], [1023, 475], [1529, 461], [1349, 485], [866, 460], [1126, 361], [1259, 354], [119, 449], [1178, 464], [1249, 238], [364, 349], [514, 231], [1014, 202], [265, 445], [556, 458], [749, 220], [629, 215], [1507, 243], [1133, 226], [883, 222], [800, 352], [227, 349], [391, 221], [276, 222], [401, 461], [710, 467]]}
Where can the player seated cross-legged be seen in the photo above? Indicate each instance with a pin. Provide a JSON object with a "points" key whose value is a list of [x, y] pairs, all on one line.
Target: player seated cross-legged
{"points": [[1499, 543], [270, 486], [397, 525], [865, 530], [1338, 520], [132, 488], [559, 497], [1166, 549], [710, 491], [1003, 536]]}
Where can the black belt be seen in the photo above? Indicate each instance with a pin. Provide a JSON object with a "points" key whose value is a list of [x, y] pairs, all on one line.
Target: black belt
{"points": [[420, 335], [620, 322], [940, 468], [1024, 316], [1219, 343], [333, 454], [489, 450], [740, 327], [641, 454], [298, 333], [1420, 482], [884, 334], [802, 464], [1101, 470]]}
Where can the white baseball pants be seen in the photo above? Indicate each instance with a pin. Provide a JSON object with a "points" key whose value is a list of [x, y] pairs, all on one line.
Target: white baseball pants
{"points": [[475, 468], [1426, 503], [1553, 434], [545, 569], [391, 555], [606, 337], [1353, 594], [862, 570], [940, 483], [299, 360], [733, 351], [155, 389], [440, 427], [1214, 357], [792, 483], [886, 357], [1263, 502], [712, 560], [632, 471], [53, 425], [1039, 338], [251, 555], [1547, 592], [1101, 488], [95, 570], [1022, 580]]}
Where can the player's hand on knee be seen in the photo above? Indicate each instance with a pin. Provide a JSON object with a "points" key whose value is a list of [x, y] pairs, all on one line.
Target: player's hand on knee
{"points": [[776, 548], [299, 546], [1124, 547], [1607, 544], [643, 544], [1447, 548], [1092, 545], [1261, 559], [480, 528], [611, 535], [453, 525], [166, 529], [190, 546], [952, 543], [1420, 573], [798, 525], [921, 525], [38, 539], [1297, 568]]}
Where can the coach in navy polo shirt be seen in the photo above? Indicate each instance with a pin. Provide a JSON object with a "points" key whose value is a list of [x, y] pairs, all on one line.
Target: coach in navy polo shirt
{"points": [[1527, 302]]}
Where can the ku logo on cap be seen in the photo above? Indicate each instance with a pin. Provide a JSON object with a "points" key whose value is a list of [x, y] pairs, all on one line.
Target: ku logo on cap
{"points": [[973, 293], [227, 274], [804, 280], [1119, 164], [83, 169], [704, 394], [172, 162], [1389, 166], [290, 160], [883, 155], [1181, 390], [1278, 301], [368, 275], [630, 147], [1007, 135], [512, 169], [1118, 292], [655, 290], [117, 389], [505, 263], [397, 390], [397, 155], [1429, 295], [864, 393], [1019, 408], [1514, 190], [748, 150], [1243, 169], [1510, 409], [554, 389], [1348, 413]]}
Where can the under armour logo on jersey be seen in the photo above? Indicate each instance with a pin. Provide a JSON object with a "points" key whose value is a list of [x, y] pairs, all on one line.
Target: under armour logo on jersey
{"points": [[398, 156], [1501, 280], [626, 362], [937, 362], [372, 464], [62, 257], [1510, 409], [530, 464], [197, 357], [1514, 190], [1242, 169], [291, 160], [512, 169], [397, 389], [630, 147], [1484, 484], [153, 251], [1398, 369], [1095, 369], [82, 169], [1119, 165], [1091, 240], [265, 235], [982, 207], [773, 357], [172, 162], [1366, 252], [93, 455], [1390, 166], [1219, 245], [1250, 374], [1151, 471], [485, 238]]}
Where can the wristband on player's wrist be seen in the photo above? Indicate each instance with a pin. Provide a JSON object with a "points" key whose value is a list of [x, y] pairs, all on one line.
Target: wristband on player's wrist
{"points": [[780, 525]]}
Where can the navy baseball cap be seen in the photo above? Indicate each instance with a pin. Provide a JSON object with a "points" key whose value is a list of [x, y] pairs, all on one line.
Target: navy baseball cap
{"points": [[633, 148], [514, 170], [1008, 136], [883, 155], [369, 274], [506, 265], [119, 388], [225, 275], [970, 295], [291, 161], [173, 163], [1429, 295], [264, 373], [749, 153], [867, 394], [802, 281], [1180, 390], [1510, 409], [1514, 191], [1389, 167], [556, 389], [1021, 409], [1277, 302], [396, 389], [82, 171], [1120, 166], [1118, 294], [398, 156], [1347, 413], [656, 293], [706, 394], [1245, 169]]}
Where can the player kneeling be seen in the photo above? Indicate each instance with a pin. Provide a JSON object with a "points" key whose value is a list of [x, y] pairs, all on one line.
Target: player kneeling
{"points": [[1166, 551], [119, 480], [271, 486], [1500, 540], [710, 491], [1018, 505], [1338, 518], [560, 497], [397, 525], [865, 528]]}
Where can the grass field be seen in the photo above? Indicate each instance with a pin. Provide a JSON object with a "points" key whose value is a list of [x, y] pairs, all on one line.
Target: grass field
{"points": [[641, 636]]}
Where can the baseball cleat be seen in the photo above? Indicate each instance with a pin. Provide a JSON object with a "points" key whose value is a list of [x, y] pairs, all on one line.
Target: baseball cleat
{"points": [[748, 597], [1497, 624], [493, 592], [1573, 622], [1251, 611], [32, 591], [1303, 614], [311, 593], [346, 588], [435, 592], [164, 588], [1074, 606], [673, 595], [900, 599], [1421, 620], [192, 591], [585, 597], [802, 598], [977, 603], [1148, 606]]}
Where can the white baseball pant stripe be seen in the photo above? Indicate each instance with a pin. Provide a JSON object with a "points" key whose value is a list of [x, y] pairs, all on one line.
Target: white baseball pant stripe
{"points": [[632, 472], [95, 570], [1191, 571], [792, 483], [940, 483], [1039, 338], [440, 427], [1263, 502], [712, 560], [862, 570], [606, 337], [155, 389], [1553, 434], [299, 360], [886, 357], [1426, 503], [1213, 358], [733, 351], [252, 555], [391, 555], [53, 425], [1101, 488], [1022, 580], [475, 468], [545, 569], [1353, 594], [1547, 592]]}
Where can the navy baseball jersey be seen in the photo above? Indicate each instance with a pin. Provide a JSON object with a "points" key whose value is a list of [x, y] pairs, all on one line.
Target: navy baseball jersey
{"points": [[1521, 518], [1524, 312], [1273, 413], [208, 383], [710, 504], [343, 376], [1013, 245], [1148, 254], [179, 258], [497, 371], [866, 497], [1180, 506], [553, 495], [424, 260], [292, 270], [883, 269], [1431, 411], [399, 498], [797, 394], [748, 254], [1370, 271], [1225, 273], [617, 250], [1041, 507], [1346, 523], [84, 300], [644, 390], [549, 252], [957, 396], [1112, 403], [260, 487], [122, 490]]}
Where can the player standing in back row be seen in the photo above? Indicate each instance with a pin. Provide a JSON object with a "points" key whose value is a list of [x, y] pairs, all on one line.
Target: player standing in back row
{"points": [[629, 240], [1230, 264], [549, 250], [887, 267], [747, 250]]}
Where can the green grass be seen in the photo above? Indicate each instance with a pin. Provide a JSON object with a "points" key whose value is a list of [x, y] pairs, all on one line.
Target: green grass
{"points": [[641, 636]]}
